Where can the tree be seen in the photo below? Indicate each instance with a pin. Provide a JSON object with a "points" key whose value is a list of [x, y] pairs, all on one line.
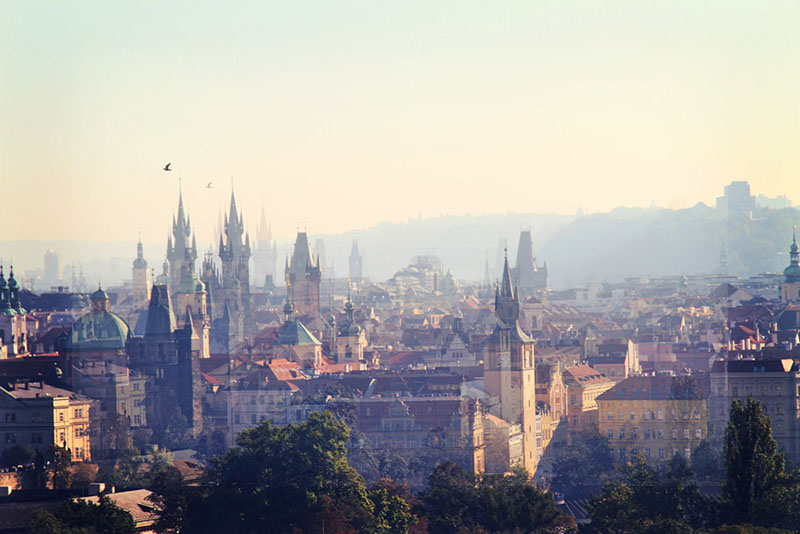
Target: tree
{"points": [[645, 501], [586, 464], [20, 454], [753, 465], [457, 501], [60, 459], [292, 478], [707, 461], [81, 517]]}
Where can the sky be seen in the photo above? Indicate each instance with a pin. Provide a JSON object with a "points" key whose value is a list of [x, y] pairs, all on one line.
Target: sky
{"points": [[336, 115]]}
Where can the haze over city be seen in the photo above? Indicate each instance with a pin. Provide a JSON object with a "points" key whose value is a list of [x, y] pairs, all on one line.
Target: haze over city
{"points": [[419, 267], [336, 116]]}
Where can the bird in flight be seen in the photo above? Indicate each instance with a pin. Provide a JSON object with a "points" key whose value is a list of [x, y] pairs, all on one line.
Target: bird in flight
{"points": [[166, 167], [209, 185]]}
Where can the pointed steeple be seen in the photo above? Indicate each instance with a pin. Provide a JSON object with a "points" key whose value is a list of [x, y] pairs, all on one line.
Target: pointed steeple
{"points": [[234, 212], [506, 289], [3, 291], [506, 302]]}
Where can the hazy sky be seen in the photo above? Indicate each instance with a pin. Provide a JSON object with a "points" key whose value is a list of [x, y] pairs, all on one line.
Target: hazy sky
{"points": [[336, 115]]}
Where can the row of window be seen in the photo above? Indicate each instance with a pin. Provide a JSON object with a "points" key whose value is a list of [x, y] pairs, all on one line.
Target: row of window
{"points": [[748, 390], [654, 434], [661, 453], [658, 415]]}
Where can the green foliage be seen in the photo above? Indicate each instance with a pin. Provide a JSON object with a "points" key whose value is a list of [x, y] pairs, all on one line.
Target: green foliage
{"points": [[707, 462], [645, 500], [81, 517], [293, 478], [456, 501], [753, 465], [60, 459], [20, 454], [125, 471], [587, 463]]}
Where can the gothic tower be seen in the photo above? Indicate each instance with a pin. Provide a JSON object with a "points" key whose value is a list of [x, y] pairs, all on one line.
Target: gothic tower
{"points": [[234, 251], [509, 369], [190, 297], [302, 279], [528, 275], [266, 253], [179, 248], [356, 263]]}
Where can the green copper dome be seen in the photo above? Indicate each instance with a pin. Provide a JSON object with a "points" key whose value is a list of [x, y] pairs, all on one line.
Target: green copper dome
{"points": [[791, 274], [99, 294], [99, 330]]}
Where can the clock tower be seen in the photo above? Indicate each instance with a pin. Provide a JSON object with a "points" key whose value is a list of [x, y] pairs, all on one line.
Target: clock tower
{"points": [[509, 378]]}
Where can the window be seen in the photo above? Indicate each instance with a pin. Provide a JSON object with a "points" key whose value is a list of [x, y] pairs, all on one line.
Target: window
{"points": [[635, 433], [778, 390], [575, 420], [661, 454], [78, 413], [137, 420], [621, 433], [36, 417], [685, 414], [659, 434], [136, 386], [633, 416], [610, 416], [36, 437], [236, 419], [685, 433], [646, 433], [674, 433], [61, 437], [622, 454], [253, 418], [698, 433], [687, 453], [660, 415], [11, 417], [610, 433], [735, 391], [11, 437], [647, 453], [78, 431]]}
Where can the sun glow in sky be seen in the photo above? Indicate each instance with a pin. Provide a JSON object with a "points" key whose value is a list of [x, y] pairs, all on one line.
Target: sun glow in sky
{"points": [[338, 115]]}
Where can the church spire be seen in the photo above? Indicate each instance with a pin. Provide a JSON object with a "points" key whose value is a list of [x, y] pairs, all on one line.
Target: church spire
{"points": [[506, 302]]}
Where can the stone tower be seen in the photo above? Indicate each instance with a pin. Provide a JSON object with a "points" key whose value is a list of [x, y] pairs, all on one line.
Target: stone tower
{"points": [[356, 263], [529, 277], [179, 246], [509, 376], [234, 251], [790, 287], [266, 253], [302, 279], [141, 282]]}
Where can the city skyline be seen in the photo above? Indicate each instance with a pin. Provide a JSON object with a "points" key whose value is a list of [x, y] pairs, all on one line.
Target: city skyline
{"points": [[431, 109]]}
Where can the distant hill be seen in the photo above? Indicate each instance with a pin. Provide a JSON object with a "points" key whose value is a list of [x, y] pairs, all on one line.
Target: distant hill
{"points": [[599, 247], [577, 249]]}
